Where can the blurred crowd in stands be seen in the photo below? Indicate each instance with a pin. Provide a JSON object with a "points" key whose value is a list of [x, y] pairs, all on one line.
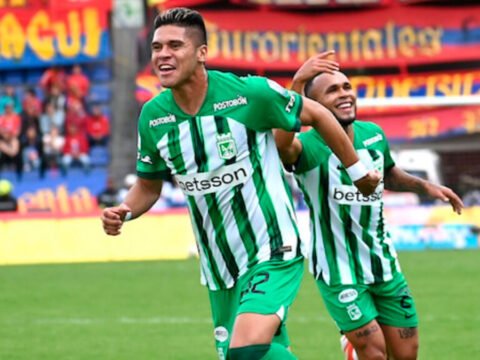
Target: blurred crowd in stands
{"points": [[51, 126]]}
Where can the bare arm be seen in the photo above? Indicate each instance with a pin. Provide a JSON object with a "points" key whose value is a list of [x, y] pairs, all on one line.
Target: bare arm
{"points": [[140, 198], [398, 180], [322, 120], [289, 147]]}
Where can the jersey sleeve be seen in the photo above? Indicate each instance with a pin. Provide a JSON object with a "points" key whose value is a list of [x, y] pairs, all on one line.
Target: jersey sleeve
{"points": [[273, 106], [150, 165], [314, 150]]}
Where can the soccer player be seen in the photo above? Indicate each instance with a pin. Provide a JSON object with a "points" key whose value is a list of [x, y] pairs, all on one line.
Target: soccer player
{"points": [[212, 131], [351, 255]]}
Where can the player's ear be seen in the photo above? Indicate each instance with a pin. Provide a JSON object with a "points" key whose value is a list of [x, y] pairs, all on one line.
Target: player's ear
{"points": [[202, 53]]}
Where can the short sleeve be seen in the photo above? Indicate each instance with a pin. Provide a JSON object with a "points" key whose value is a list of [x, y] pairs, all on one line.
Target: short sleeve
{"points": [[273, 106], [150, 164]]}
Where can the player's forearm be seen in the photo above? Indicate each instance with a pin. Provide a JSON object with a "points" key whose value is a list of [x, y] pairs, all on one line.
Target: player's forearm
{"points": [[141, 197], [398, 180], [334, 135], [287, 146]]}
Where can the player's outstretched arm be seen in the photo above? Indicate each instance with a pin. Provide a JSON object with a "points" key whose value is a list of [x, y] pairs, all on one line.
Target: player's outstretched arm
{"points": [[322, 120], [398, 180], [139, 199]]}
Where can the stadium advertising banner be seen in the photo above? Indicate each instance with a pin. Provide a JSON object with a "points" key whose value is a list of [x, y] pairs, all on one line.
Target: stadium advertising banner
{"points": [[433, 227], [311, 3], [12, 4], [439, 84], [39, 37], [168, 235], [54, 4], [429, 123], [167, 4], [424, 227], [147, 86], [420, 123], [69, 239], [71, 4], [377, 37], [400, 124], [416, 123]]}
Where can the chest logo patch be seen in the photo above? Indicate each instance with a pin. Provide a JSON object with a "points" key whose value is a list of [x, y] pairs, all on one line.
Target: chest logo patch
{"points": [[227, 149]]}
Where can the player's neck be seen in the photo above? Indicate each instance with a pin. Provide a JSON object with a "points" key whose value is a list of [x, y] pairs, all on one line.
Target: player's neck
{"points": [[191, 95], [349, 130]]}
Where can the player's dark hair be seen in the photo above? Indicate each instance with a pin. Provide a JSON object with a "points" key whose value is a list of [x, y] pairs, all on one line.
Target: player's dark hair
{"points": [[308, 87], [183, 17]]}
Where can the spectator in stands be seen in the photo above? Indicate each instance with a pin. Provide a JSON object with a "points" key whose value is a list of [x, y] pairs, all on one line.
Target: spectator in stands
{"points": [[75, 150], [10, 97], [78, 84], [10, 120], [109, 196], [10, 151], [76, 115], [98, 127], [52, 118], [52, 78], [57, 98], [8, 201], [29, 117], [53, 143], [32, 102], [32, 150]]}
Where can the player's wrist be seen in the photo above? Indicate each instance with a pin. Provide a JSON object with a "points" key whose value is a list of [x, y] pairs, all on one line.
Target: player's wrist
{"points": [[128, 216], [357, 171]]}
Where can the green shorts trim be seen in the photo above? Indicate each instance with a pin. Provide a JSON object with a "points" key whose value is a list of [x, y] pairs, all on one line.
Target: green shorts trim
{"points": [[268, 288], [353, 306]]}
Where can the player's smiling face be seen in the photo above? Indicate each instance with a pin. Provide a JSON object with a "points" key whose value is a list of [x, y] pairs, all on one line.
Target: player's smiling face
{"points": [[335, 92], [175, 54]]}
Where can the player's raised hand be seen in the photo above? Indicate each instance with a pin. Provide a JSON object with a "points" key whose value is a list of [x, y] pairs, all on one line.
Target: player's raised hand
{"points": [[316, 64], [445, 194], [367, 184], [113, 218]]}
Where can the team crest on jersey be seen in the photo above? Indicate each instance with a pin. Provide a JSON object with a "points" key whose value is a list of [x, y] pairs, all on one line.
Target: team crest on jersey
{"points": [[227, 149]]}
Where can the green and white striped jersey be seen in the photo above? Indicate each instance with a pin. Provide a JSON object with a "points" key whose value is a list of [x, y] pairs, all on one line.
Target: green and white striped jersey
{"points": [[349, 242], [225, 160]]}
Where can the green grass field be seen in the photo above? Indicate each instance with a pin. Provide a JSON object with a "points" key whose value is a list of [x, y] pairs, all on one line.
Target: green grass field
{"points": [[158, 310]]}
